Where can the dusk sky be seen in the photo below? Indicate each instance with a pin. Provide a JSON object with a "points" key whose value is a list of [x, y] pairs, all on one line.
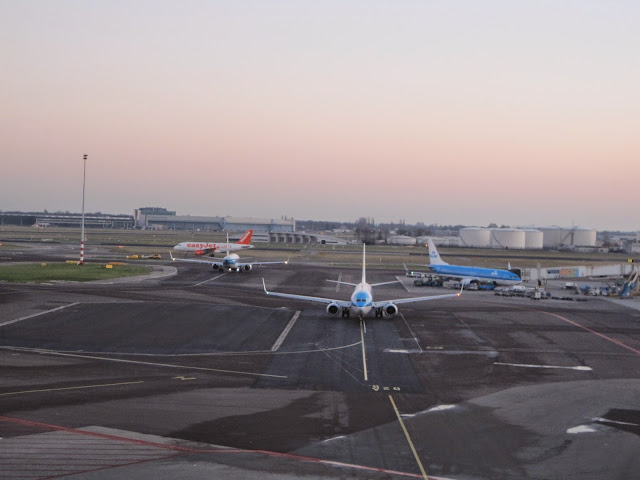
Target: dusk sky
{"points": [[449, 112]]}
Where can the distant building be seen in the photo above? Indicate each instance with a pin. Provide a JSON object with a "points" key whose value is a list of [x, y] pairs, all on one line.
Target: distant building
{"points": [[157, 218], [140, 215], [66, 219], [401, 240]]}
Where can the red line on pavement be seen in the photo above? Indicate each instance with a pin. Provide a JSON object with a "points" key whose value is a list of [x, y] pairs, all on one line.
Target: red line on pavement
{"points": [[601, 335], [216, 450]]}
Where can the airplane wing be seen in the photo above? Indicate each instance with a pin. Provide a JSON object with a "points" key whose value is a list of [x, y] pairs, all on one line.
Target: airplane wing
{"points": [[196, 260], [355, 284], [464, 279], [384, 283], [415, 299], [422, 267], [341, 303], [221, 264], [255, 264], [342, 283]]}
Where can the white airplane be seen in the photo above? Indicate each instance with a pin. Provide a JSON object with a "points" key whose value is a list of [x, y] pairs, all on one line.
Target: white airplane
{"points": [[204, 248], [230, 262], [361, 301]]}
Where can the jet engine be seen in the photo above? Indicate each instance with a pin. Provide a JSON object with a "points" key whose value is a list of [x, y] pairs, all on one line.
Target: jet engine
{"points": [[247, 267], [333, 309], [389, 310]]}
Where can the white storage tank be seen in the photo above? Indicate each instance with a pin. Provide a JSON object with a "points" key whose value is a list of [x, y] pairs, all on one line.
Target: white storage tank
{"points": [[533, 238], [555, 237], [552, 236], [507, 238], [475, 237], [583, 237], [401, 240]]}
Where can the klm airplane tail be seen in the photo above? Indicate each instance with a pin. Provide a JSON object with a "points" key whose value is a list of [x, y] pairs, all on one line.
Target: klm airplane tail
{"points": [[434, 256]]}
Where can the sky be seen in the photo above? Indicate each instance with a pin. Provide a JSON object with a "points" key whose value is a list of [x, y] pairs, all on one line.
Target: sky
{"points": [[452, 112]]}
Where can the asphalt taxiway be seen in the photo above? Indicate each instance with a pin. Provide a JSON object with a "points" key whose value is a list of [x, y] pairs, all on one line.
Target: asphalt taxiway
{"points": [[200, 374]]}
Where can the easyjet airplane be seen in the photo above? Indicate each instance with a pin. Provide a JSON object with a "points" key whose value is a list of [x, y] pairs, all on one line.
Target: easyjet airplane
{"points": [[205, 248]]}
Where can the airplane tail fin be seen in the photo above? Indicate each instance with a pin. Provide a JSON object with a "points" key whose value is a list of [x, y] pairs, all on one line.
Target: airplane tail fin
{"points": [[228, 246], [434, 256], [246, 238], [364, 265]]}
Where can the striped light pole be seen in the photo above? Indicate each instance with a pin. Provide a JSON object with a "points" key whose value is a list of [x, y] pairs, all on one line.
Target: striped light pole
{"points": [[84, 176]]}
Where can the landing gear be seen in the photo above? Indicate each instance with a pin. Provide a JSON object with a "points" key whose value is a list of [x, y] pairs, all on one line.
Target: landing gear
{"points": [[378, 313], [346, 313]]}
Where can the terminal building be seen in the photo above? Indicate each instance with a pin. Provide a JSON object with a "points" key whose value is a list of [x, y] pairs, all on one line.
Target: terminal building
{"points": [[66, 219], [157, 218]]}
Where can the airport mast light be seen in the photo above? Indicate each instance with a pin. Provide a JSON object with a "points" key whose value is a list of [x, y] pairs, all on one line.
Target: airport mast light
{"points": [[84, 176]]}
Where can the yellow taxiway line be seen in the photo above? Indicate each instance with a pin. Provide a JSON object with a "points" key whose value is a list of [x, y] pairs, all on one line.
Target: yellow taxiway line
{"points": [[406, 434]]}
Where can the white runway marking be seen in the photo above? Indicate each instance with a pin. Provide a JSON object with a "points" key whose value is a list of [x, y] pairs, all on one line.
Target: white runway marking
{"points": [[439, 408], [208, 280], [285, 332], [606, 420], [581, 429], [153, 364], [37, 314], [524, 365], [71, 388], [400, 279]]}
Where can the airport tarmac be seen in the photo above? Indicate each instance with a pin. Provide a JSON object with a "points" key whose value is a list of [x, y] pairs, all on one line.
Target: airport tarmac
{"points": [[200, 374]]}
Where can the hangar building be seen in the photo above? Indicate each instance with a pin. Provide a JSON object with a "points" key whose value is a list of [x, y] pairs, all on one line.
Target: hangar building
{"points": [[158, 218]]}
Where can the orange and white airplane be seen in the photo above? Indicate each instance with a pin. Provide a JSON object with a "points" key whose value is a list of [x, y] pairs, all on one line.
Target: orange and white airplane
{"points": [[205, 248]]}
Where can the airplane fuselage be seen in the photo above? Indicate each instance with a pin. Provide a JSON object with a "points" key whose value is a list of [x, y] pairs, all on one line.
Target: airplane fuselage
{"points": [[361, 300], [209, 246], [489, 275], [230, 261]]}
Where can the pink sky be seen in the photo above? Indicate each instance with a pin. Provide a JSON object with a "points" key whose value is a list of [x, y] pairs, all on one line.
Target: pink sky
{"points": [[518, 113]]}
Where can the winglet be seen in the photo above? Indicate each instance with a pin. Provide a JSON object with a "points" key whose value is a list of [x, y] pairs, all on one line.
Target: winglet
{"points": [[288, 258], [264, 286], [461, 289], [171, 256]]}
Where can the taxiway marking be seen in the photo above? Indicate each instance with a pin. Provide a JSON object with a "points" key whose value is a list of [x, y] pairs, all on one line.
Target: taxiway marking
{"points": [[70, 388], [525, 365], [576, 324], [364, 356], [217, 450], [152, 364], [38, 314], [285, 332], [208, 280], [406, 434]]}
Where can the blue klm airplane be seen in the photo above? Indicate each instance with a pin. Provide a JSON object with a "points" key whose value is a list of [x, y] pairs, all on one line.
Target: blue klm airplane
{"points": [[467, 275]]}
